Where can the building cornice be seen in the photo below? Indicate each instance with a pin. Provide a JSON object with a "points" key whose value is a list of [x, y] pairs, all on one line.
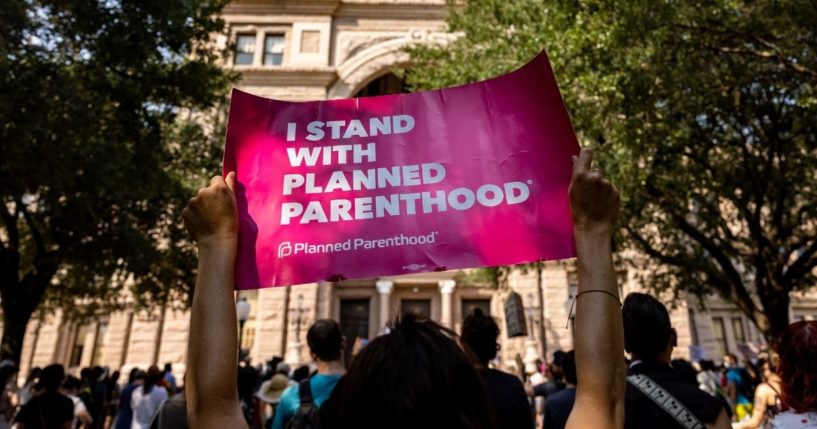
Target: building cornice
{"points": [[295, 76], [282, 7], [392, 11]]}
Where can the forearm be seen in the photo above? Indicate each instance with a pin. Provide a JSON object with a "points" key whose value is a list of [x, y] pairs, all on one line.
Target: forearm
{"points": [[212, 354], [599, 338]]}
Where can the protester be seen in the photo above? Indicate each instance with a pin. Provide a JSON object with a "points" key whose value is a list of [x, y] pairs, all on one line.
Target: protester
{"points": [[172, 414], [270, 394], [50, 409], [211, 219], [301, 373], [124, 419], [70, 388], [28, 391], [505, 392], [767, 403], [649, 338], [147, 398], [8, 394], [169, 378], [797, 349], [99, 395], [113, 391], [739, 387], [559, 404], [248, 378], [326, 345], [555, 378], [416, 376]]}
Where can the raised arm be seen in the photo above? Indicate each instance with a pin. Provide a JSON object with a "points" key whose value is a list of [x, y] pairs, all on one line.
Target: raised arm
{"points": [[599, 338], [211, 219]]}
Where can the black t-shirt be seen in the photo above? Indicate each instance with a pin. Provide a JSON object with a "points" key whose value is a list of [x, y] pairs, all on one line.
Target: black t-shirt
{"points": [[48, 410], [641, 412], [558, 408], [508, 397]]}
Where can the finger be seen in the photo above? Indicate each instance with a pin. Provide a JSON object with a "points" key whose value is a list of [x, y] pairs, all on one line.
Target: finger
{"points": [[216, 180], [584, 161], [230, 179]]}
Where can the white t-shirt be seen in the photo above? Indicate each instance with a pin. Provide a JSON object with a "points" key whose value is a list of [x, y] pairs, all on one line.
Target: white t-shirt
{"points": [[79, 407], [144, 406], [792, 420]]}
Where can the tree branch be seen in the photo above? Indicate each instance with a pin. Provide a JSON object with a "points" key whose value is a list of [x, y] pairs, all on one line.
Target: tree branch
{"points": [[802, 264], [10, 220], [35, 233]]}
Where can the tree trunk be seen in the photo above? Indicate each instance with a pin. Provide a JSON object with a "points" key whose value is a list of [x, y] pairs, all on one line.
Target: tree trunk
{"points": [[775, 315], [15, 323]]}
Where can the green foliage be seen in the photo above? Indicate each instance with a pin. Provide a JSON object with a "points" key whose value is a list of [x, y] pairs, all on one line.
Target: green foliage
{"points": [[704, 114], [107, 126]]}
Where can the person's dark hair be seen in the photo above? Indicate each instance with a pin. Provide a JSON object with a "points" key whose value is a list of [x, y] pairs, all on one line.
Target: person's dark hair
{"points": [[558, 357], [51, 377], [33, 374], [416, 376], [647, 328], [71, 382], [798, 366], [325, 340], [6, 372], [115, 376], [685, 370], [96, 374], [247, 381], [569, 367], [132, 375], [85, 374], [168, 368], [152, 378], [480, 332], [707, 365], [300, 373]]}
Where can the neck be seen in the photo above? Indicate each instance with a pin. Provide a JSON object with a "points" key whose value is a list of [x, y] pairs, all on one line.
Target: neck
{"points": [[662, 358], [331, 367]]}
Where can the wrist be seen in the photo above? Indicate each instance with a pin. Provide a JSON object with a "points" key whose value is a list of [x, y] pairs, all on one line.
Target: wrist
{"points": [[223, 241], [593, 234]]}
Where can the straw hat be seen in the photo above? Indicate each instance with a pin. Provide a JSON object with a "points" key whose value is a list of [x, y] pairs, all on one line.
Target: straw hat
{"points": [[272, 389]]}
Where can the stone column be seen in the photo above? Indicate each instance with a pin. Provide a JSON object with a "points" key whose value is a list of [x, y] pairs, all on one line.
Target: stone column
{"points": [[447, 290], [384, 288]]}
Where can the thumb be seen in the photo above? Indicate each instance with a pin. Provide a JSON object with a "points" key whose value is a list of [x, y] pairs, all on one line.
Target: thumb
{"points": [[230, 179]]}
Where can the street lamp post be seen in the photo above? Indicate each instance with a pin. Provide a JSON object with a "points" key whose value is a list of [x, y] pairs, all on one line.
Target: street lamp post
{"points": [[242, 310]]}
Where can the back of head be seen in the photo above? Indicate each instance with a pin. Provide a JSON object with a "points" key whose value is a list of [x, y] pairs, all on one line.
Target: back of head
{"points": [[480, 332], [152, 378], [325, 340], [798, 365], [51, 377], [71, 383], [647, 328], [569, 367], [416, 376]]}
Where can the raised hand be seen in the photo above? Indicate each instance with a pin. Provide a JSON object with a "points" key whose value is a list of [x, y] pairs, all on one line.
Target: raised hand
{"points": [[212, 213], [594, 201]]}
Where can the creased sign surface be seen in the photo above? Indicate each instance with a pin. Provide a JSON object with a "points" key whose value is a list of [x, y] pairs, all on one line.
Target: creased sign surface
{"points": [[469, 176]]}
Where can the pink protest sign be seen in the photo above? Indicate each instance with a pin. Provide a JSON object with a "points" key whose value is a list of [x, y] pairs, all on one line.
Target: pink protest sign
{"points": [[469, 176]]}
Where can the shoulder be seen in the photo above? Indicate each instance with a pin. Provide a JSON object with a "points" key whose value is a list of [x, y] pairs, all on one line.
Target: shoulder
{"points": [[790, 419], [290, 396]]}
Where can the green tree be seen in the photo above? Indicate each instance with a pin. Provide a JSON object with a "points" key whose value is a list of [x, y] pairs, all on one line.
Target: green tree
{"points": [[705, 114], [103, 135]]}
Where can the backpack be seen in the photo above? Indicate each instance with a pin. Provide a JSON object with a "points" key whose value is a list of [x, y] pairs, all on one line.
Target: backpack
{"points": [[307, 416]]}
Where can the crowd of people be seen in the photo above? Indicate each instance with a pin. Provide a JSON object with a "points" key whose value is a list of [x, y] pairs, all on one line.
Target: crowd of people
{"points": [[51, 398], [422, 375], [419, 374]]}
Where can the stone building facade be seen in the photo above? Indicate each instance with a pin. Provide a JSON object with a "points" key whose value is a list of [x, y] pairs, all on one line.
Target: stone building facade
{"points": [[319, 49]]}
